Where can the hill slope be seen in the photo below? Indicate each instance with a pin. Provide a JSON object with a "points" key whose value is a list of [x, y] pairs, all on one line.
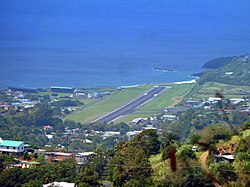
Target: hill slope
{"points": [[237, 72]]}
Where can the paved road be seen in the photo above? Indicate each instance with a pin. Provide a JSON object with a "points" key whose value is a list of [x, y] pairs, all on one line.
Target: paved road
{"points": [[131, 106]]}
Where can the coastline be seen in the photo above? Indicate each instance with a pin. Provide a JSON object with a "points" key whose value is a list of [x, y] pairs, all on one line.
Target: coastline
{"points": [[116, 87]]}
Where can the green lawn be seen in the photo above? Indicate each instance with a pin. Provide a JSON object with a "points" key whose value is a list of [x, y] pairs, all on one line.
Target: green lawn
{"points": [[155, 106], [88, 102], [116, 100]]}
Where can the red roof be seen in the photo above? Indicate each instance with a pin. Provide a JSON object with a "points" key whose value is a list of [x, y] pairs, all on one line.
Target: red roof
{"points": [[47, 127]]}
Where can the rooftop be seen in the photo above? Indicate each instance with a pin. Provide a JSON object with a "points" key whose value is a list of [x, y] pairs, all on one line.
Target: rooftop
{"points": [[11, 143], [33, 163], [61, 87]]}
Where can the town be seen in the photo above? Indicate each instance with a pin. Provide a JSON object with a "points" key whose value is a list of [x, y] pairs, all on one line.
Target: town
{"points": [[52, 140]]}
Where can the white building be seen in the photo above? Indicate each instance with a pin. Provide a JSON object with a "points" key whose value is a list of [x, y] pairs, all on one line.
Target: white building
{"points": [[236, 100], [131, 134], [214, 99], [229, 73], [169, 117], [10, 146]]}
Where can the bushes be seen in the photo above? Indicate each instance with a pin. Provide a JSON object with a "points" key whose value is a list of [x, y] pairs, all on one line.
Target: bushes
{"points": [[63, 171], [223, 171]]}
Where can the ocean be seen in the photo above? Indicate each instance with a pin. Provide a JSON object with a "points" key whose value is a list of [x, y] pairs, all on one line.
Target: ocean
{"points": [[109, 43]]}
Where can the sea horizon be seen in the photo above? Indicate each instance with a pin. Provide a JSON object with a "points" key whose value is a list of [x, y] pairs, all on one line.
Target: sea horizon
{"points": [[111, 43]]}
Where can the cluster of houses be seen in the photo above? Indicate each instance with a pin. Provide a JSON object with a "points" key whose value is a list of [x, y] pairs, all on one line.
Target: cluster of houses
{"points": [[20, 96], [89, 94], [18, 148], [208, 107], [18, 101]]}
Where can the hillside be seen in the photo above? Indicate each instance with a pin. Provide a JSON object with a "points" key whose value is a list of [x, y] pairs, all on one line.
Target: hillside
{"points": [[237, 72], [218, 62]]}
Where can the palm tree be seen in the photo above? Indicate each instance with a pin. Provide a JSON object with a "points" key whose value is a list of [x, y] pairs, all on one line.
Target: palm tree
{"points": [[170, 138]]}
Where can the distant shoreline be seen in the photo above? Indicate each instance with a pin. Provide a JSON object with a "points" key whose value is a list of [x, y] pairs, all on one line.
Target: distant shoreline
{"points": [[117, 87]]}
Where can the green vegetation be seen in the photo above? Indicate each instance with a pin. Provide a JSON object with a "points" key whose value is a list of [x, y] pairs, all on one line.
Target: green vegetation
{"points": [[209, 89], [88, 102], [130, 165], [110, 103], [170, 97], [57, 94], [66, 103], [234, 73], [218, 62], [63, 171], [167, 99]]}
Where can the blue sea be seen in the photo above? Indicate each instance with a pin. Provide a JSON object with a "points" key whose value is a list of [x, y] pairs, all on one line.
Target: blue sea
{"points": [[109, 43]]}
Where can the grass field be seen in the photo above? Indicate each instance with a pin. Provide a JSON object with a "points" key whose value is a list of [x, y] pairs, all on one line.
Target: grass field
{"points": [[210, 88], [116, 100], [167, 99], [58, 94]]}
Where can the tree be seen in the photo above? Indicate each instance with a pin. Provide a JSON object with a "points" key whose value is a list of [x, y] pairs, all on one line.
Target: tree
{"points": [[5, 159], [87, 177], [41, 158], [170, 138], [130, 165], [246, 125], [185, 152], [213, 133], [33, 183], [148, 140], [224, 172], [194, 138], [166, 152], [26, 156]]}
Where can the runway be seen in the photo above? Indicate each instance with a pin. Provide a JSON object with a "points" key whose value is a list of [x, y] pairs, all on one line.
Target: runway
{"points": [[132, 106]]}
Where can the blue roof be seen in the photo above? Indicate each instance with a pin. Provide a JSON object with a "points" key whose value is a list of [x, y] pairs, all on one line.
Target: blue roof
{"points": [[11, 143], [15, 104]]}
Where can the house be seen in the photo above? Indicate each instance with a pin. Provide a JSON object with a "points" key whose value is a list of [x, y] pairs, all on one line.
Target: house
{"points": [[229, 73], [223, 158], [149, 127], [169, 117], [110, 134], [214, 99], [144, 121], [30, 164], [47, 127], [83, 158], [57, 156], [175, 110], [136, 121], [10, 146], [87, 141], [236, 100], [131, 134]]}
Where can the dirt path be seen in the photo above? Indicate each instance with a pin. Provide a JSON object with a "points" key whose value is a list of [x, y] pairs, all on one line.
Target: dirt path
{"points": [[203, 158], [176, 100]]}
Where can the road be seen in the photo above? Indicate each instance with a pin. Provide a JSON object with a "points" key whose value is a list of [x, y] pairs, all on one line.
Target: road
{"points": [[131, 106]]}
